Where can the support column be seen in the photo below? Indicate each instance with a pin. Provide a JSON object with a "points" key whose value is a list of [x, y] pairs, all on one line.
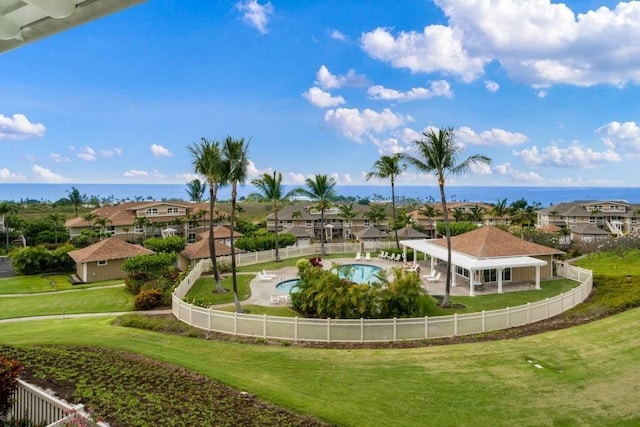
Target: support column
{"points": [[499, 273], [537, 277], [433, 263], [472, 290], [453, 275]]}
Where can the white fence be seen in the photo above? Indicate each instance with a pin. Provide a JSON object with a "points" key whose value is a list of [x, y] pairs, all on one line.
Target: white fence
{"points": [[33, 404], [373, 330]]}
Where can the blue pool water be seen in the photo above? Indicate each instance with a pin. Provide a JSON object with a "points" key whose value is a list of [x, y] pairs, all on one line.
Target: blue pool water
{"points": [[359, 273]]}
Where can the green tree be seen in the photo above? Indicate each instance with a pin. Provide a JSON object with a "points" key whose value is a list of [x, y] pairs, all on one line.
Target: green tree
{"points": [[270, 188], [500, 209], [196, 190], [101, 223], [321, 189], [375, 214], [348, 213], [76, 199], [207, 161], [142, 222], [236, 164], [296, 215], [57, 220], [476, 214], [5, 209], [389, 167], [438, 154]]}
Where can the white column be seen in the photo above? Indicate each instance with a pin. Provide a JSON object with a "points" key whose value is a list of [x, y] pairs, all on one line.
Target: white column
{"points": [[453, 275], [472, 291], [537, 277], [433, 263], [499, 273]]}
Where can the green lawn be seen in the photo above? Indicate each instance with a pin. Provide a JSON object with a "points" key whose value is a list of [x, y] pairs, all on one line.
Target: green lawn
{"points": [[95, 300], [587, 376], [203, 291], [44, 283], [610, 264]]}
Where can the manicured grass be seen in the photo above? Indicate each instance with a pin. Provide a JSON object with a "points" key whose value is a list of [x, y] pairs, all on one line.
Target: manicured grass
{"points": [[94, 300], [549, 288], [610, 264], [262, 309], [290, 262], [203, 291], [588, 374], [45, 283]]}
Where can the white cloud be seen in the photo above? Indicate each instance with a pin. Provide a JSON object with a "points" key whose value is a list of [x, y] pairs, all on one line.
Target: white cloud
{"points": [[467, 135], [574, 156], [189, 176], [491, 86], [623, 138], [338, 35], [160, 151], [7, 175], [110, 153], [387, 146], [293, 178], [542, 94], [517, 175], [480, 168], [322, 99], [436, 49], [326, 80], [18, 126], [255, 14], [87, 153], [47, 175], [59, 158], [354, 124], [133, 173], [437, 88]]}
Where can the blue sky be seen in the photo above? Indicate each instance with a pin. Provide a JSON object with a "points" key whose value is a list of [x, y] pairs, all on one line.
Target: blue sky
{"points": [[548, 90]]}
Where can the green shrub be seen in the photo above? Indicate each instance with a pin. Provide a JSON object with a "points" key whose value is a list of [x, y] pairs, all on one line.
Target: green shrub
{"points": [[37, 260], [264, 242], [10, 369], [148, 299], [456, 228], [172, 244]]}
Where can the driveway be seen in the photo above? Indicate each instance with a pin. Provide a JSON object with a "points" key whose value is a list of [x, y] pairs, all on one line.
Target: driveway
{"points": [[5, 267]]}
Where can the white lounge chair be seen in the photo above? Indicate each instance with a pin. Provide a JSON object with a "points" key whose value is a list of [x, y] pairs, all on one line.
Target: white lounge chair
{"points": [[264, 278], [266, 274], [397, 257], [382, 254], [435, 278], [430, 275], [358, 256], [275, 299], [367, 256]]}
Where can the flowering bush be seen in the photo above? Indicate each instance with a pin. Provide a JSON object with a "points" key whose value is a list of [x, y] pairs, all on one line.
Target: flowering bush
{"points": [[9, 371]]}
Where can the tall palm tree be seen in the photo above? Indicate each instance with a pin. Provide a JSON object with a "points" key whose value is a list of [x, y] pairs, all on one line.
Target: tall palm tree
{"points": [[196, 190], [348, 213], [429, 211], [376, 214], [500, 209], [5, 209], [102, 222], [321, 189], [476, 214], [56, 219], [207, 161], [296, 215], [270, 187], [76, 198], [236, 164], [389, 167], [142, 222], [438, 154]]}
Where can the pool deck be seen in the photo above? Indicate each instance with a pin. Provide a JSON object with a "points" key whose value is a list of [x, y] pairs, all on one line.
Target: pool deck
{"points": [[263, 292]]}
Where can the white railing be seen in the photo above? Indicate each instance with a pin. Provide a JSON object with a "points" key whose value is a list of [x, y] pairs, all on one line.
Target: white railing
{"points": [[373, 330], [34, 404]]}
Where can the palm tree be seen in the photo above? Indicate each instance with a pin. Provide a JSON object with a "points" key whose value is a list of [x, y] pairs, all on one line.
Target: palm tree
{"points": [[102, 223], [56, 219], [296, 215], [76, 198], [321, 189], [5, 209], [207, 161], [458, 214], [476, 214], [438, 154], [389, 167], [500, 209], [142, 222], [347, 213], [196, 189], [430, 212], [236, 164], [375, 214], [270, 187]]}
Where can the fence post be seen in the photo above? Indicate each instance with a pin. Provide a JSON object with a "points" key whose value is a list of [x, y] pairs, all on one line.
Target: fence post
{"points": [[508, 317], [426, 327], [235, 323], [361, 329], [190, 314], [264, 326], [455, 324], [295, 329], [528, 313], [395, 328], [328, 329], [209, 322], [484, 321]]}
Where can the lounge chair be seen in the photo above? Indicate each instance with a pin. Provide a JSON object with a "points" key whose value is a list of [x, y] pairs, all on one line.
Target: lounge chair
{"points": [[358, 256], [275, 299], [382, 254], [436, 278], [264, 278], [266, 274], [397, 257], [367, 256], [430, 275]]}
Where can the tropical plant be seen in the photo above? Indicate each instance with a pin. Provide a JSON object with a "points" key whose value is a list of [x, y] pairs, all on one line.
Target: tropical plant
{"points": [[389, 167], [76, 199], [438, 154], [5, 209], [270, 190], [265, 242], [236, 164], [375, 214], [458, 214], [142, 222], [500, 209], [10, 370], [171, 244], [207, 161], [296, 215], [476, 214], [196, 189], [57, 220], [321, 189], [348, 213], [101, 223]]}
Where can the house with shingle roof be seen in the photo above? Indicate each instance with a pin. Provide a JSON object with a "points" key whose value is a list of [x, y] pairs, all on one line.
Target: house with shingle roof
{"points": [[193, 253], [103, 260], [588, 233], [490, 255], [614, 216]]}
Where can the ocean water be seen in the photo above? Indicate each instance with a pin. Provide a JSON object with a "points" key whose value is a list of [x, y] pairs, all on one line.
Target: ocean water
{"points": [[121, 192]]}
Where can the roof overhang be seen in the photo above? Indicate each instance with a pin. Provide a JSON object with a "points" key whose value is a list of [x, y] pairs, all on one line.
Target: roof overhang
{"points": [[25, 21], [468, 262]]}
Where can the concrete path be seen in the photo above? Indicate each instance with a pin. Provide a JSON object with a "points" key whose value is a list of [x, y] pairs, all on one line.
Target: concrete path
{"points": [[81, 315]]}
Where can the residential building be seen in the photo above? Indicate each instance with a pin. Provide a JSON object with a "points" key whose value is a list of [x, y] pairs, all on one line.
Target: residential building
{"points": [[615, 217], [458, 211]]}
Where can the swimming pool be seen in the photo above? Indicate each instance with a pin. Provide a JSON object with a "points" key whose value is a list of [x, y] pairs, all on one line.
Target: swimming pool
{"points": [[359, 273]]}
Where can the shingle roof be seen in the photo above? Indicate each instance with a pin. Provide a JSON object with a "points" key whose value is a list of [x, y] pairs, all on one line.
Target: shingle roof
{"points": [[108, 249], [370, 233], [588, 229], [491, 242], [409, 233], [298, 231], [200, 250], [220, 232]]}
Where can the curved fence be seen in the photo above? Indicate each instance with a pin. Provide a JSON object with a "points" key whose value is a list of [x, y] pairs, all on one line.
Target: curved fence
{"points": [[374, 330]]}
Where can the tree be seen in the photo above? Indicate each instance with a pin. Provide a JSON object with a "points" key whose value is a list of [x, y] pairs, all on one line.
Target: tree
{"points": [[207, 161], [476, 214], [375, 214], [296, 215], [102, 222], [438, 154], [389, 167], [5, 209], [196, 189], [76, 199], [142, 222], [347, 213], [321, 189], [57, 220], [500, 209], [236, 163], [270, 188]]}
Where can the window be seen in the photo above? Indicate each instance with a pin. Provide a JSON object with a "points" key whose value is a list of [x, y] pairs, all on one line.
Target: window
{"points": [[308, 223], [138, 229], [151, 211], [111, 229], [289, 223], [173, 210], [462, 271], [366, 222], [101, 263], [492, 275], [191, 237]]}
